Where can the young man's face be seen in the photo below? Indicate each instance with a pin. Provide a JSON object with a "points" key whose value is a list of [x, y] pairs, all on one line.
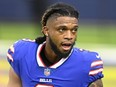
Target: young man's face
{"points": [[62, 32]]}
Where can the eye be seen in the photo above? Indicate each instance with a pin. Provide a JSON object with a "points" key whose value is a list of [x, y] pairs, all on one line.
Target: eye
{"points": [[74, 30], [61, 30]]}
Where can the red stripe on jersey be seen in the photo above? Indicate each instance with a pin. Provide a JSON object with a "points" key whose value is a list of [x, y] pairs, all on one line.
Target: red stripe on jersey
{"points": [[9, 57], [97, 63], [40, 56], [94, 72]]}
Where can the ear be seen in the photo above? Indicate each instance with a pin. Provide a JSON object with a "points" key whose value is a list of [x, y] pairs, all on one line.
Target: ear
{"points": [[45, 30]]}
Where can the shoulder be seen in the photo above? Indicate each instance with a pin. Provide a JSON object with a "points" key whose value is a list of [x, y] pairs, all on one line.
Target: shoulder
{"points": [[93, 61], [89, 58], [87, 55], [19, 48], [24, 43]]}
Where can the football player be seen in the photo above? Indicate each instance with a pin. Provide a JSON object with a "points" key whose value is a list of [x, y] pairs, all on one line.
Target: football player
{"points": [[52, 60]]}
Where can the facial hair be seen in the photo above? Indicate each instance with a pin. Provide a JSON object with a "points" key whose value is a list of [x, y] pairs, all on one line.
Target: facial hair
{"points": [[57, 51]]}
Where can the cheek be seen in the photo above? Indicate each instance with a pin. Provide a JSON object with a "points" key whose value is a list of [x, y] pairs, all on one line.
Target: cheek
{"points": [[56, 39], [55, 36]]}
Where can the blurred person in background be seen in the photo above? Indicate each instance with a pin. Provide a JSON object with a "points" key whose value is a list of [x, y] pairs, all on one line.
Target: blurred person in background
{"points": [[52, 60]]}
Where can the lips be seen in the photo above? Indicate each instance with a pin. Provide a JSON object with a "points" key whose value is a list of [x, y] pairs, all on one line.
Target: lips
{"points": [[66, 46]]}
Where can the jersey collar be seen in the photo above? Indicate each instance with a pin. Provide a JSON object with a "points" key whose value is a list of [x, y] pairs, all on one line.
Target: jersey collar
{"points": [[41, 63]]}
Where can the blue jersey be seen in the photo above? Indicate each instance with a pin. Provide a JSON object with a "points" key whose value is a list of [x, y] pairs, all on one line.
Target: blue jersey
{"points": [[79, 69]]}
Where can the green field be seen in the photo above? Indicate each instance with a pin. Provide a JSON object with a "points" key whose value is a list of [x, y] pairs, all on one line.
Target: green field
{"points": [[101, 34], [86, 34]]}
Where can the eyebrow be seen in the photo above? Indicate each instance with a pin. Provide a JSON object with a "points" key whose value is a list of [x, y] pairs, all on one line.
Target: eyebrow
{"points": [[66, 26]]}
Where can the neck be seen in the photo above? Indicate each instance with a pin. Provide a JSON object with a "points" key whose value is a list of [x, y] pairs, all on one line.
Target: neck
{"points": [[50, 55]]}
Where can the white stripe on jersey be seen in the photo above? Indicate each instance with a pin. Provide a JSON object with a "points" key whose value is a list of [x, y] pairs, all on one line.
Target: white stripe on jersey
{"points": [[10, 57], [97, 63], [39, 61], [93, 72], [42, 85], [12, 48]]}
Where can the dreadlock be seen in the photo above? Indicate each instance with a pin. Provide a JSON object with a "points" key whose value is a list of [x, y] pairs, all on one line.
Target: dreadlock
{"points": [[58, 9]]}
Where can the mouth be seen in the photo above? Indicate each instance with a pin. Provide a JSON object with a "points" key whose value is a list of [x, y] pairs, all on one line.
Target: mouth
{"points": [[66, 46]]}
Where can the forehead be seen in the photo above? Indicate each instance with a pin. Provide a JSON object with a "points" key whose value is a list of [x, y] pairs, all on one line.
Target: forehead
{"points": [[62, 20]]}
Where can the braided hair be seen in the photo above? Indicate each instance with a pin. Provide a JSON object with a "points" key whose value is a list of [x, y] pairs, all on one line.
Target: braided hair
{"points": [[58, 9]]}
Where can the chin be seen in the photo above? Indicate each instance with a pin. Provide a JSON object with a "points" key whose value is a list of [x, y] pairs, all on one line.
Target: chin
{"points": [[64, 54]]}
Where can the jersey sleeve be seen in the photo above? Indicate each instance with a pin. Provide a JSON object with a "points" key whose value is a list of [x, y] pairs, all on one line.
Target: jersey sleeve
{"points": [[96, 68], [13, 56]]}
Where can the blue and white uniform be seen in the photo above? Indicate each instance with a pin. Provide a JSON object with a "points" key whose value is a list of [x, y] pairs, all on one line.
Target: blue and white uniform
{"points": [[79, 69]]}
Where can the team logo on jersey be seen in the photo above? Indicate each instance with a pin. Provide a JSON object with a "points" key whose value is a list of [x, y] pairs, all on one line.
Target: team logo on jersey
{"points": [[47, 72]]}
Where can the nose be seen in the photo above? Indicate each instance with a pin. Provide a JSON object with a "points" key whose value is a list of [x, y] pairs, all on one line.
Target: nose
{"points": [[68, 35]]}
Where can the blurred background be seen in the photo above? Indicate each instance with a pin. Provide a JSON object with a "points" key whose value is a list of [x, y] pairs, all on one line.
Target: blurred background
{"points": [[97, 29]]}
